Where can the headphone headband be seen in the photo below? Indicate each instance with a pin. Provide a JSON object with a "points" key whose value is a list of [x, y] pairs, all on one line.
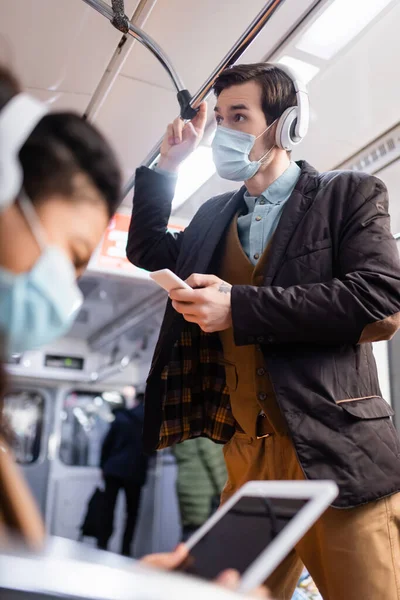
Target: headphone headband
{"points": [[301, 112], [18, 118]]}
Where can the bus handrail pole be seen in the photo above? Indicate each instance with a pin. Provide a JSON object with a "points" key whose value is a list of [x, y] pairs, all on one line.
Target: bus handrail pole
{"points": [[104, 9], [240, 46]]}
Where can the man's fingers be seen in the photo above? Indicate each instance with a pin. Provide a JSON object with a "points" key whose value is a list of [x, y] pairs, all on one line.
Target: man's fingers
{"points": [[198, 280], [191, 314], [189, 133], [186, 308], [170, 134], [177, 126], [200, 120], [180, 307], [182, 295], [191, 318], [179, 131]]}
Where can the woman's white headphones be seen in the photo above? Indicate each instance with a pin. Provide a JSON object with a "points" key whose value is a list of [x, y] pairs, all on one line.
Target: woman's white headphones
{"points": [[292, 125], [18, 118]]}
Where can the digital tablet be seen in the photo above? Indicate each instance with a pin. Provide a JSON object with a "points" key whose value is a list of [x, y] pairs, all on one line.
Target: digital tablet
{"points": [[256, 529]]}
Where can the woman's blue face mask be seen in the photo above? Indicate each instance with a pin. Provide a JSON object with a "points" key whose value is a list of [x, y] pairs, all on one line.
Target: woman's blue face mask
{"points": [[39, 305]]}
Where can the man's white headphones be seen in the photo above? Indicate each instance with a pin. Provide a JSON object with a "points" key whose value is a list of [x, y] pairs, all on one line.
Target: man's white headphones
{"points": [[18, 118], [292, 125]]}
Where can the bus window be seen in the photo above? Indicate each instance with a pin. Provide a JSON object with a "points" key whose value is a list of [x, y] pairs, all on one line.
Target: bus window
{"points": [[86, 418], [24, 414]]}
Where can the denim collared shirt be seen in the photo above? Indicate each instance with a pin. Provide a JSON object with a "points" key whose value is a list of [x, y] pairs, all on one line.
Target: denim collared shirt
{"points": [[257, 226]]}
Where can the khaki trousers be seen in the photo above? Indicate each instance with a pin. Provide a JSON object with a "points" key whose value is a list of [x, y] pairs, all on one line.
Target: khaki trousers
{"points": [[352, 554]]}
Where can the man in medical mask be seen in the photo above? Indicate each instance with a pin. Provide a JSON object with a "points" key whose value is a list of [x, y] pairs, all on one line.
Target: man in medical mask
{"points": [[294, 276]]}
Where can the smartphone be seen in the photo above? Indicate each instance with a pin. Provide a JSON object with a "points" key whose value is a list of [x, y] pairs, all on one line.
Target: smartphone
{"points": [[168, 280], [256, 529]]}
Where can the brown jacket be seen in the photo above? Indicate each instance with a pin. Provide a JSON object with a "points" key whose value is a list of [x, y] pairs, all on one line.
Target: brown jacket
{"points": [[331, 287]]}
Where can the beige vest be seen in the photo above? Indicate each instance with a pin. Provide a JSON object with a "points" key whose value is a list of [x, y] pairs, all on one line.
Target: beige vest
{"points": [[250, 388]]}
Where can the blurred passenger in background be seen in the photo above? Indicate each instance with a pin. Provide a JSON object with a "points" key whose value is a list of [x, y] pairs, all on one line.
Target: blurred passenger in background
{"points": [[201, 478], [124, 467], [59, 186]]}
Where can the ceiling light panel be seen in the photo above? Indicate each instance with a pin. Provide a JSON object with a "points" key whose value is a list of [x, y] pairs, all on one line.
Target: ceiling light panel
{"points": [[340, 23]]}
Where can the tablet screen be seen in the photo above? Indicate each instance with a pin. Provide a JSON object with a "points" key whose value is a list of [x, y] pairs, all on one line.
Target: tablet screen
{"points": [[240, 536]]}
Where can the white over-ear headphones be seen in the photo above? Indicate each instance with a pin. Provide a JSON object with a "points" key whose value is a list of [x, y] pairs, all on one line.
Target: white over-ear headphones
{"points": [[18, 118], [292, 125]]}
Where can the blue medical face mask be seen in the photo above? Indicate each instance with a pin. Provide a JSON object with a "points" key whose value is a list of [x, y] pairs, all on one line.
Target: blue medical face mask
{"points": [[231, 151], [40, 305]]}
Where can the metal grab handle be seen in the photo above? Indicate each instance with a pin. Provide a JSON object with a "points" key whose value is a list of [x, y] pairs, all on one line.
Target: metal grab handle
{"points": [[230, 59], [117, 17], [120, 20]]}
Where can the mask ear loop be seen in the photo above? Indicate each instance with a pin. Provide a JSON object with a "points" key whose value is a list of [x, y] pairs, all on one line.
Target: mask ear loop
{"points": [[33, 220], [262, 159], [268, 128], [272, 147]]}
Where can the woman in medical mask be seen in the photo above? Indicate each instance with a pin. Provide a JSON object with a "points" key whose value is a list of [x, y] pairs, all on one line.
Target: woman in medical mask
{"points": [[59, 187]]}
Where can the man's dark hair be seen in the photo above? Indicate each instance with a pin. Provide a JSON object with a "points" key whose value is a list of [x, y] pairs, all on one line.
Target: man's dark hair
{"points": [[61, 146], [9, 86], [277, 89]]}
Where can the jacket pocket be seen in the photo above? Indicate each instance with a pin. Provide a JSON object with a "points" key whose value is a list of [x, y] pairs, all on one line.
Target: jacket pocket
{"points": [[368, 407], [231, 376]]}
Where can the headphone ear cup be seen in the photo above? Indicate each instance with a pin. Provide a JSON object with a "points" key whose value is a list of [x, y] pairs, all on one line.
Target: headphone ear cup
{"points": [[18, 118], [285, 136]]}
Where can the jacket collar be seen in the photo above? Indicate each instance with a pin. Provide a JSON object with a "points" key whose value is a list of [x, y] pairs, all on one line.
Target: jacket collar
{"points": [[293, 212], [207, 241], [309, 178]]}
